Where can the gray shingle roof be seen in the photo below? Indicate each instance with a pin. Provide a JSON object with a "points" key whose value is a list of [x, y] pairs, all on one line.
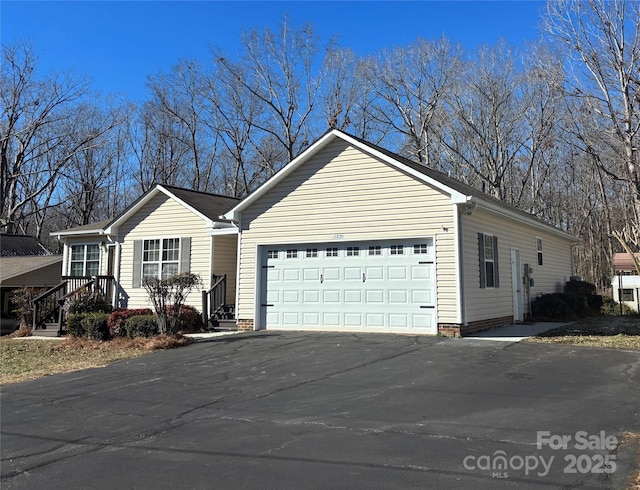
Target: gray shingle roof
{"points": [[20, 245]]}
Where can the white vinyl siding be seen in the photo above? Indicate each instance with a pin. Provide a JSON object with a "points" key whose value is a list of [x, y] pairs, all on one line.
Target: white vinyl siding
{"points": [[487, 303], [343, 194]]}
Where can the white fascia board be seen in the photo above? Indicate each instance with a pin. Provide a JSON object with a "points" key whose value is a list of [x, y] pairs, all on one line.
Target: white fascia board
{"points": [[234, 214], [98, 232]]}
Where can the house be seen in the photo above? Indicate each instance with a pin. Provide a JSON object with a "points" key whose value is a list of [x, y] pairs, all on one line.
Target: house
{"points": [[625, 284], [25, 263], [351, 237], [168, 230]]}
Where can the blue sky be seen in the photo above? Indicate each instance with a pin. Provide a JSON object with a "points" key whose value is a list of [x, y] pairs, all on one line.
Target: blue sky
{"points": [[119, 43]]}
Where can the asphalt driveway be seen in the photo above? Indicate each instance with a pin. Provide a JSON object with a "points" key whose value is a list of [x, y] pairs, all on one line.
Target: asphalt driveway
{"points": [[306, 410]]}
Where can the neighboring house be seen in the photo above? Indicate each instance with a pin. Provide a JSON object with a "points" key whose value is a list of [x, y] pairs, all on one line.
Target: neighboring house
{"points": [[351, 237], [25, 262], [625, 284], [166, 231]]}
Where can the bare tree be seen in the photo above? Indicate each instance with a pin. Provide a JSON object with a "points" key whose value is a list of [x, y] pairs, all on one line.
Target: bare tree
{"points": [[411, 85], [39, 136], [602, 42], [485, 135], [283, 72]]}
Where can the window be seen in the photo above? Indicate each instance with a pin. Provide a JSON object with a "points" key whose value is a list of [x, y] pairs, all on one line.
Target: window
{"points": [[292, 254], [312, 253], [488, 252], [353, 251], [625, 294], [421, 248], [85, 260], [397, 250], [539, 249], [272, 254], [375, 250], [332, 252], [160, 258]]}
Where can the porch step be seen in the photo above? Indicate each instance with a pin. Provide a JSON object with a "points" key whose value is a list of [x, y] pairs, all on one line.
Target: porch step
{"points": [[49, 330], [227, 325]]}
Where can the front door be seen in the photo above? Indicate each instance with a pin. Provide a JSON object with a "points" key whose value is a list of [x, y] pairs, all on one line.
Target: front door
{"points": [[516, 280]]}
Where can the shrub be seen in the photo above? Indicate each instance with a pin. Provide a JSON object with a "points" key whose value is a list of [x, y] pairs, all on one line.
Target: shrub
{"points": [[22, 299], [170, 291], [552, 306], [610, 307], [580, 288], [88, 302], [141, 326], [189, 319], [118, 318], [75, 327], [95, 326], [91, 326]]}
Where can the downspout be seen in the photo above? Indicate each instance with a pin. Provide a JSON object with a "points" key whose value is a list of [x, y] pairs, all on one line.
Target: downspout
{"points": [[116, 285], [459, 245]]}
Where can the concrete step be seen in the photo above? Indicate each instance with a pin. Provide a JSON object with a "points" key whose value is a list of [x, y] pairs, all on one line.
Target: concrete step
{"points": [[50, 330]]}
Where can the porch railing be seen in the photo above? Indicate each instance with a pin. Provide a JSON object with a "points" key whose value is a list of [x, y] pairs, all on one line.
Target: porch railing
{"points": [[50, 304], [214, 299]]}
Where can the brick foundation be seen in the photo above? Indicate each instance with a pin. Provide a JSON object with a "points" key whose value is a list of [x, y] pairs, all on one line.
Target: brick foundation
{"points": [[245, 325], [457, 330]]}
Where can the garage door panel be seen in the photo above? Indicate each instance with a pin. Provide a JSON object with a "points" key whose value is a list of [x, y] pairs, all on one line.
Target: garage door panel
{"points": [[397, 273], [291, 296], [311, 319], [331, 319], [398, 320], [375, 296], [352, 274], [311, 296], [291, 274], [375, 320], [353, 319], [374, 273], [398, 296], [331, 273], [331, 296], [311, 275], [422, 296], [352, 296], [421, 272]]}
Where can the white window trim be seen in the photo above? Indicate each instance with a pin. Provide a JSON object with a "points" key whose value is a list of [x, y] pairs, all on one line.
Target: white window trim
{"points": [[539, 252], [84, 260], [159, 262]]}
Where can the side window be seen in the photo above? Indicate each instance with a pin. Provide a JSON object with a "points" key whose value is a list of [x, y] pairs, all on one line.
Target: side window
{"points": [[539, 250], [375, 250], [353, 251], [85, 260], [332, 252], [488, 255]]}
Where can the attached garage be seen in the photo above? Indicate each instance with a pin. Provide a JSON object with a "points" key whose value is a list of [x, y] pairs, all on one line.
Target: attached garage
{"points": [[351, 237], [381, 286]]}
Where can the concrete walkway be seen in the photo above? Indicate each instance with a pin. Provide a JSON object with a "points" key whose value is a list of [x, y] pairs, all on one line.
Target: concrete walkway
{"points": [[516, 332]]}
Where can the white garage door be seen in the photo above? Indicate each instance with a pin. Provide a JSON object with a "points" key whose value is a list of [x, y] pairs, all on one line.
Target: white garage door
{"points": [[369, 286]]}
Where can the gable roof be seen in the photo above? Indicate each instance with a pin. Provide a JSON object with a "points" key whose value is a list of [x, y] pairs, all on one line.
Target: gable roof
{"points": [[21, 245], [622, 262], [209, 207], [460, 193], [16, 266]]}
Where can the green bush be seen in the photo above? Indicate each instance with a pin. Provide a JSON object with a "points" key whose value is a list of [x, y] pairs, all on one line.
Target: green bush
{"points": [[75, 326], [119, 317], [88, 325], [611, 308], [580, 288], [88, 302], [141, 326], [95, 326]]}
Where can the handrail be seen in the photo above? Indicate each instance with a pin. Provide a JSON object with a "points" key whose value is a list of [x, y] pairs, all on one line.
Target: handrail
{"points": [[214, 299], [39, 313]]}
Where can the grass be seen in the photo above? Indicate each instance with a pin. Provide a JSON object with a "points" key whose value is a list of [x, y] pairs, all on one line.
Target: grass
{"points": [[22, 359], [616, 332]]}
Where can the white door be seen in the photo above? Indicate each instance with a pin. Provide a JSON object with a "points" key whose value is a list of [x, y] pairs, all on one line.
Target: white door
{"points": [[367, 286], [516, 280]]}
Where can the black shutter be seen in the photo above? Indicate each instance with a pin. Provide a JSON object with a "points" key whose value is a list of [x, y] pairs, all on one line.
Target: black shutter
{"points": [[483, 279], [496, 272]]}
